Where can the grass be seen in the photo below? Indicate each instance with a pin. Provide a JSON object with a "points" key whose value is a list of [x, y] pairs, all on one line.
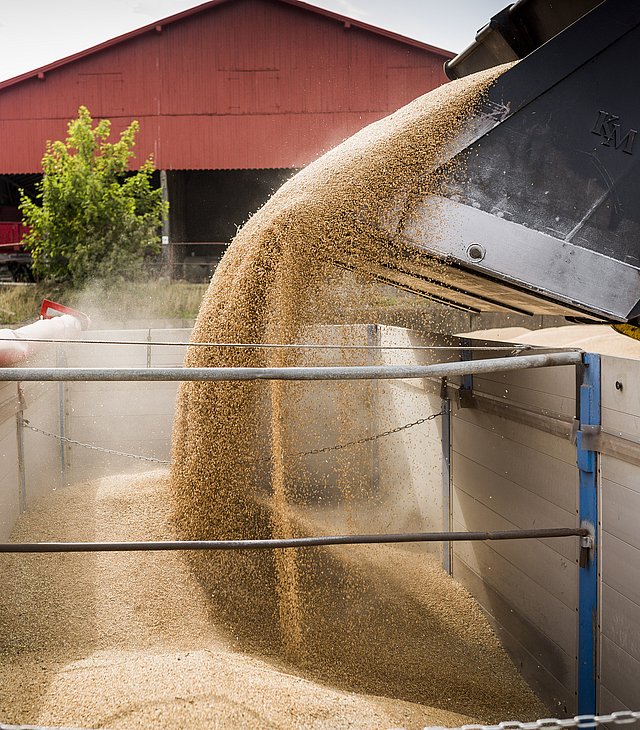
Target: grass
{"points": [[145, 301], [19, 303]]}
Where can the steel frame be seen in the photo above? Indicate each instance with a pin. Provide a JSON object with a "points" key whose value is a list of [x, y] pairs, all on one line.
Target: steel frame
{"points": [[588, 412]]}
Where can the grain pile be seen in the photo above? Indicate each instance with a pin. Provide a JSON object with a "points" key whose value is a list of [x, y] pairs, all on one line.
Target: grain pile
{"points": [[127, 641], [600, 338], [339, 616]]}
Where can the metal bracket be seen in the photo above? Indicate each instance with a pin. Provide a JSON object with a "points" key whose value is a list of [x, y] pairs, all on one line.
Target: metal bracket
{"points": [[590, 437], [586, 545], [22, 401], [465, 397], [575, 427]]}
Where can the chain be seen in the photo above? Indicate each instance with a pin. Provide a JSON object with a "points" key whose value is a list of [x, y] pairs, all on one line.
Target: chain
{"points": [[323, 450], [622, 717], [93, 447], [368, 439]]}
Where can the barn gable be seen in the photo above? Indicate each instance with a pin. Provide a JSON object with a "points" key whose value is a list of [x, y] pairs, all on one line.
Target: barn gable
{"points": [[232, 84]]}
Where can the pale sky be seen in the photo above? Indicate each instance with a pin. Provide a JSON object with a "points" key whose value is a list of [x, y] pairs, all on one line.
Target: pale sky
{"points": [[34, 33]]}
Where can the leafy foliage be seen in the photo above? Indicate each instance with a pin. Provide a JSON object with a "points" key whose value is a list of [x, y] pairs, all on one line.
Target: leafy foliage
{"points": [[91, 217]]}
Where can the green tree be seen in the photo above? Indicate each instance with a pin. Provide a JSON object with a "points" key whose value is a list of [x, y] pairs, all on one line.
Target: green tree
{"points": [[91, 218]]}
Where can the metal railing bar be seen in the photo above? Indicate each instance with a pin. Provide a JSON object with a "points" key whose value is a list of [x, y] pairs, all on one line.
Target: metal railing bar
{"points": [[363, 372], [294, 542]]}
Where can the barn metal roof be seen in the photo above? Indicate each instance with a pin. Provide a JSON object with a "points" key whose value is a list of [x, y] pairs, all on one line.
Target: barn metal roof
{"points": [[158, 25]]}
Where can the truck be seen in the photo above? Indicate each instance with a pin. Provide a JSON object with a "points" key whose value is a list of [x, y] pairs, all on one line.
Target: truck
{"points": [[15, 260]]}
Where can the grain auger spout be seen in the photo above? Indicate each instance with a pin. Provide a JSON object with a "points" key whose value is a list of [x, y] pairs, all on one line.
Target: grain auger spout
{"points": [[545, 218]]}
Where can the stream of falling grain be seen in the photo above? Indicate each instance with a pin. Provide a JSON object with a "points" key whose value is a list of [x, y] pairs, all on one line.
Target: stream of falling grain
{"points": [[278, 281], [288, 583]]}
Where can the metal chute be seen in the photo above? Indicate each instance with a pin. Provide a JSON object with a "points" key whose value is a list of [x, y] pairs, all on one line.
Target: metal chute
{"points": [[546, 217]]}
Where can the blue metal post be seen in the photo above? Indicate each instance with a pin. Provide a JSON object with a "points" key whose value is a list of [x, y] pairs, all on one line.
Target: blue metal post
{"points": [[589, 416]]}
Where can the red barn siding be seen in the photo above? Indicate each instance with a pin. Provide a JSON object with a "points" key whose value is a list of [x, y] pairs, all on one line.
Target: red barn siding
{"points": [[239, 84]]}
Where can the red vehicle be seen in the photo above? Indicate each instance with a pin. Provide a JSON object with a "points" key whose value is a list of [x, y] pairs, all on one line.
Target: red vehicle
{"points": [[15, 260]]}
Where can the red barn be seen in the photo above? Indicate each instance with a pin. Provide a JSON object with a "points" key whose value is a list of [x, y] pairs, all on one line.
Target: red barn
{"points": [[231, 96]]}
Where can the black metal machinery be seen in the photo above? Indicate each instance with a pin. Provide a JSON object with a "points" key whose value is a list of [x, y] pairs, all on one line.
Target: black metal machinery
{"points": [[546, 218]]}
